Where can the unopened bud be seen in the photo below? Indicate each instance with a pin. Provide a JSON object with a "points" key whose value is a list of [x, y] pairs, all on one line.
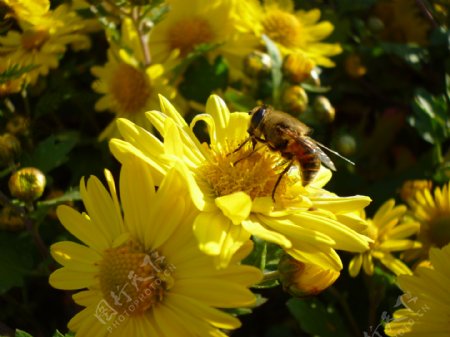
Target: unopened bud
{"points": [[9, 148], [257, 64], [346, 145], [27, 184], [297, 67], [375, 24], [295, 99], [18, 125], [303, 279], [10, 220], [323, 109]]}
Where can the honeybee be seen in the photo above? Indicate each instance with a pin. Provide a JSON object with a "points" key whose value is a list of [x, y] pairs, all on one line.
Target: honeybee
{"points": [[283, 133]]}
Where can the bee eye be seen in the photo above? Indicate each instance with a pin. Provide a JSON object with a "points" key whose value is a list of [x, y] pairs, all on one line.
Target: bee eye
{"points": [[258, 114]]}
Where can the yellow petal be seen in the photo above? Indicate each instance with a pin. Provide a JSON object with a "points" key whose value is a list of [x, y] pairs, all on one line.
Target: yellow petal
{"points": [[205, 291], [404, 230], [82, 228], [398, 245], [395, 265], [136, 195], [320, 255], [217, 108], [368, 264], [68, 279], [198, 309], [339, 205], [236, 206], [74, 255], [355, 265], [235, 238], [211, 228], [255, 226]]}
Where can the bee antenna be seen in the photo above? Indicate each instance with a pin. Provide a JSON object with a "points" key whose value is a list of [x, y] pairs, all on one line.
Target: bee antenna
{"points": [[335, 153]]}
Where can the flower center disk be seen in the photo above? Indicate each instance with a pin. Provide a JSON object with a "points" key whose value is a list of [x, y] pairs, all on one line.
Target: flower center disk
{"points": [[132, 280], [283, 28], [252, 172], [188, 33], [34, 39], [131, 88]]}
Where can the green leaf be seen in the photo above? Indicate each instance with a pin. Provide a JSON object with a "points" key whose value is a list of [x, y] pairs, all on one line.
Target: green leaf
{"points": [[51, 152], [277, 62], [16, 260], [317, 319], [201, 78], [71, 195], [59, 334], [15, 71], [20, 333], [430, 117], [411, 54]]}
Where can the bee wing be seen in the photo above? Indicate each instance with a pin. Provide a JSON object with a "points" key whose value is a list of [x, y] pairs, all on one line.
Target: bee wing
{"points": [[335, 153], [322, 155]]}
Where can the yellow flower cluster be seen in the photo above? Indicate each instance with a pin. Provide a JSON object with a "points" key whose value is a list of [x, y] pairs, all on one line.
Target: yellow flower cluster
{"points": [[39, 42], [141, 64]]}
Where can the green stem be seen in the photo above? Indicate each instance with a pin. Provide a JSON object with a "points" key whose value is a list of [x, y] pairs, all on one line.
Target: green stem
{"points": [[347, 312], [271, 275], [143, 32]]}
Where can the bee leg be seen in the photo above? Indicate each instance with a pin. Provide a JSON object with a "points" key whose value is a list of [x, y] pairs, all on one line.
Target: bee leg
{"points": [[242, 144], [286, 169]]}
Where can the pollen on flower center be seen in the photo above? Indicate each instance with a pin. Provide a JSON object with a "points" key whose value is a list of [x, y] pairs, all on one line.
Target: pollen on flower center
{"points": [[34, 39], [252, 172], [130, 87], [133, 280], [283, 28], [188, 33]]}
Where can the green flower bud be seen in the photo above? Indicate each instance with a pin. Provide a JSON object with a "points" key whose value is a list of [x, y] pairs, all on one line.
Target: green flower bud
{"points": [[323, 109], [294, 99], [303, 279], [346, 145], [257, 64], [9, 148], [27, 184]]}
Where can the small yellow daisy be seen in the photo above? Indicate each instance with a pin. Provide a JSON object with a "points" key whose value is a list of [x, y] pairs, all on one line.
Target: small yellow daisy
{"points": [[140, 270], [30, 11], [426, 299], [296, 31], [232, 187], [189, 24], [128, 87], [43, 44], [432, 211], [389, 231]]}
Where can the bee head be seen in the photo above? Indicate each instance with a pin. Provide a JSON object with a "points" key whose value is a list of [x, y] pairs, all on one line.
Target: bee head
{"points": [[257, 115]]}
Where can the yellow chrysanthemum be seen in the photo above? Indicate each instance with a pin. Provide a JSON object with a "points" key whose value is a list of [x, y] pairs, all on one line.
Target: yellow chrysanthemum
{"points": [[403, 22], [190, 24], [433, 214], [233, 188], [389, 231], [296, 31], [142, 272], [411, 187], [129, 88], [31, 11], [44, 43], [426, 299], [12, 86]]}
